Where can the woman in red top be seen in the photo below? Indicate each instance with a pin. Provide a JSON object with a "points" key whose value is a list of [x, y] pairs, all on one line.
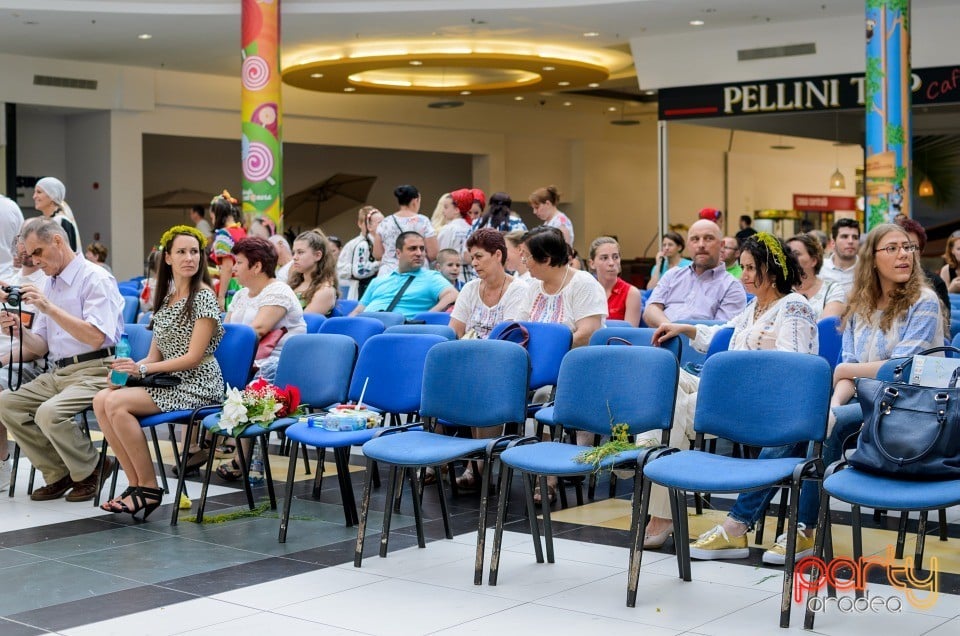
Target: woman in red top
{"points": [[623, 299]]}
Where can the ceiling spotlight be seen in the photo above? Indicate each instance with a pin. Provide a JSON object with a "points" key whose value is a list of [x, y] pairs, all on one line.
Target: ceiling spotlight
{"points": [[316, 75], [593, 85], [144, 36], [612, 109], [416, 63], [568, 103], [518, 98], [464, 92], [563, 83], [591, 34], [697, 22], [549, 68], [349, 89], [450, 103], [651, 92]]}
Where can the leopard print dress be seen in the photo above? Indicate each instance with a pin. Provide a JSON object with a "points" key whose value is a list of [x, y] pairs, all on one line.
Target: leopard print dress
{"points": [[202, 385]]}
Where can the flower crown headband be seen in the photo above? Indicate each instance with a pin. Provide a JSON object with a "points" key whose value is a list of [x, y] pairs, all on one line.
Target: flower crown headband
{"points": [[773, 246], [225, 195], [177, 230]]}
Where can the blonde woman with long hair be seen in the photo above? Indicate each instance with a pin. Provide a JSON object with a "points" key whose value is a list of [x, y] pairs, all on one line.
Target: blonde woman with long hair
{"points": [[313, 276]]}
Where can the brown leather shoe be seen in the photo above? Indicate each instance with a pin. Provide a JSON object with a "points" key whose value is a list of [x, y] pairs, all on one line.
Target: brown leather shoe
{"points": [[52, 491], [87, 489]]}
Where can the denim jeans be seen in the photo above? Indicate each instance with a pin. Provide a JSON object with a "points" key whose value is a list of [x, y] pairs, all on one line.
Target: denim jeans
{"points": [[832, 448], [751, 505]]}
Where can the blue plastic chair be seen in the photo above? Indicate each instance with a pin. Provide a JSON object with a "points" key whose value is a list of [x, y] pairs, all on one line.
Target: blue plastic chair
{"points": [[357, 327], [617, 323], [391, 365], [549, 342], [131, 307], [831, 340], [235, 356], [719, 342], [798, 407], [297, 367], [459, 399], [597, 387], [388, 318], [437, 330], [689, 355], [637, 336], [343, 307], [314, 322], [434, 317], [129, 289]]}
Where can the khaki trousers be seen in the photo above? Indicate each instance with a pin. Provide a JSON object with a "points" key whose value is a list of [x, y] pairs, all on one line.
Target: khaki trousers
{"points": [[40, 418]]}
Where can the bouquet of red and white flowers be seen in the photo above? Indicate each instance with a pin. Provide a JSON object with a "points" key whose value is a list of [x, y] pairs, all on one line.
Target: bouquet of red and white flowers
{"points": [[259, 403]]}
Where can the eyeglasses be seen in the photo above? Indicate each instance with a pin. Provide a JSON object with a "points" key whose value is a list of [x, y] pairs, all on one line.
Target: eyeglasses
{"points": [[909, 248]]}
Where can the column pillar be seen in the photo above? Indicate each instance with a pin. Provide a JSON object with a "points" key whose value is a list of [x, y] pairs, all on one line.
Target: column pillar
{"points": [[261, 143], [888, 100]]}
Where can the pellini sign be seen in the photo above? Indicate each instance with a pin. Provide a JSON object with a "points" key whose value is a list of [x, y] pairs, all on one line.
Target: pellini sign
{"points": [[930, 86]]}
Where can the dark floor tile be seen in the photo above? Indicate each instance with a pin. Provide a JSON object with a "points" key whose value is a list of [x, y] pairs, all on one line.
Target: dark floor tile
{"points": [[107, 539], [35, 585], [39, 534], [11, 628], [104, 607], [343, 552], [12, 558], [228, 579]]}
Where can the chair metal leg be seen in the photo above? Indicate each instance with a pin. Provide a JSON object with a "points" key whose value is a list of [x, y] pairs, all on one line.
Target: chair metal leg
{"points": [[321, 468], [244, 470], [103, 454], [902, 533], [786, 595], [176, 452], [31, 480], [482, 524], [417, 511], [444, 512], [287, 500], [943, 523], [364, 510], [346, 486], [547, 526], [156, 451], [395, 474], [268, 475], [206, 477], [641, 495], [13, 470], [856, 520], [680, 528], [306, 458], [532, 515], [506, 479], [181, 462], [921, 541]]}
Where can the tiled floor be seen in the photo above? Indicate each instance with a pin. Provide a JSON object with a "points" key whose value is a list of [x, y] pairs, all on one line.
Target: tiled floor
{"points": [[72, 569]]}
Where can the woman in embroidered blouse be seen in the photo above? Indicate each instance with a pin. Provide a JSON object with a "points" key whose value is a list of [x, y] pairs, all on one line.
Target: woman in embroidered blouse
{"points": [[313, 275], [187, 330], [623, 299], [544, 202], [265, 304], [776, 319], [405, 219], [227, 231], [826, 297]]}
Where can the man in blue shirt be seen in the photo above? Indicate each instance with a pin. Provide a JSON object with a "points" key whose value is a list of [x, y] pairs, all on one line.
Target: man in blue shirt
{"points": [[411, 289]]}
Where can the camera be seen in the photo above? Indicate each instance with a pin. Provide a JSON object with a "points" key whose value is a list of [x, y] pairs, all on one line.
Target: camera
{"points": [[13, 295]]}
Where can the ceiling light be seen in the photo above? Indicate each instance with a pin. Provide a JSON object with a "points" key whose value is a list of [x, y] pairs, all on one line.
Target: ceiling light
{"points": [[649, 92], [568, 103], [593, 85], [926, 188], [464, 92], [837, 181], [144, 36], [316, 75], [781, 146], [696, 22], [563, 83], [591, 34], [612, 109], [416, 63], [549, 68], [349, 89], [518, 98], [445, 104]]}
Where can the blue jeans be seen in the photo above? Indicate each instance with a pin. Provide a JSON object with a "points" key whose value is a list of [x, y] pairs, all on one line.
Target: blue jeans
{"points": [[832, 448], [751, 505]]}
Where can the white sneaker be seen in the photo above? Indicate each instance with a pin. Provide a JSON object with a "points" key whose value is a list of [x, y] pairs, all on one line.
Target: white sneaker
{"points": [[5, 469]]}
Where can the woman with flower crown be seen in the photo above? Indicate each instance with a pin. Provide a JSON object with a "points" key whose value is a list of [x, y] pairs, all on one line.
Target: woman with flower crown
{"points": [[776, 319], [186, 331]]}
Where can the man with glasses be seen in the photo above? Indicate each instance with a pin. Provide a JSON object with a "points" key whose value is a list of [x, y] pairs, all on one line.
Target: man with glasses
{"points": [[846, 242], [730, 255]]}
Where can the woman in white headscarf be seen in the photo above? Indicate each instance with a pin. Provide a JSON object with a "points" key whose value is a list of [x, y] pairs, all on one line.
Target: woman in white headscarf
{"points": [[49, 197]]}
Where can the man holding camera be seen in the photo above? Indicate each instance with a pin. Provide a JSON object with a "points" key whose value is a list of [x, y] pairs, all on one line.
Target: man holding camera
{"points": [[79, 320]]}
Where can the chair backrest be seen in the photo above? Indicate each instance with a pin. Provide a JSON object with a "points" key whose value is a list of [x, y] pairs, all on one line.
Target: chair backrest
{"points": [[128, 288], [602, 386], [131, 307], [343, 307], [434, 317], [719, 342], [689, 355], [493, 392], [145, 318], [235, 354], [388, 318], [617, 323], [637, 336], [437, 330], [764, 398], [313, 322], [140, 339], [549, 342], [357, 327], [831, 340], [391, 365], [320, 365]]}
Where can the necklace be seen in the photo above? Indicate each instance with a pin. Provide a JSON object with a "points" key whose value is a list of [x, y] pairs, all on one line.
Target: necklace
{"points": [[563, 282], [484, 289], [761, 309]]}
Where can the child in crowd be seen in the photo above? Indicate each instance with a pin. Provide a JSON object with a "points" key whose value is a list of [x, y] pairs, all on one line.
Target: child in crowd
{"points": [[448, 264]]}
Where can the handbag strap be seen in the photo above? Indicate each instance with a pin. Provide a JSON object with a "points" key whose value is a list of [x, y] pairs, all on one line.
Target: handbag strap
{"points": [[617, 340], [396, 299], [515, 332]]}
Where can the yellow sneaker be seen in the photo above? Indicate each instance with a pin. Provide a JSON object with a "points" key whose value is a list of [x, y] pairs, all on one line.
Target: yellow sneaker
{"points": [[717, 544], [777, 555]]}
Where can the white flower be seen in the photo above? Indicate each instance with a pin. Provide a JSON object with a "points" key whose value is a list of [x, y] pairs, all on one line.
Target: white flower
{"points": [[234, 411]]}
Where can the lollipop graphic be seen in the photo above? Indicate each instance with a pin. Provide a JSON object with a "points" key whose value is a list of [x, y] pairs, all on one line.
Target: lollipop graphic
{"points": [[258, 163], [255, 73]]}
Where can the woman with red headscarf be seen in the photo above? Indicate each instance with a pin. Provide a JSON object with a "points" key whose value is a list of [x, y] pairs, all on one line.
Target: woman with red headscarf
{"points": [[453, 235]]}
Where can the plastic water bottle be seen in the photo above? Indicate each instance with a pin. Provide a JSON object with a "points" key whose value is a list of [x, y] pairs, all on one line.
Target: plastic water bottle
{"points": [[119, 378], [256, 465]]}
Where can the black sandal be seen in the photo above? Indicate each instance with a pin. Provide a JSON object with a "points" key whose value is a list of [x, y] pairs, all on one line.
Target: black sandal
{"points": [[146, 499], [115, 505], [232, 473]]}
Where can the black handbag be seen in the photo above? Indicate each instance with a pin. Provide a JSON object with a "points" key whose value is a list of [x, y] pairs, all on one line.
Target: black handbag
{"points": [[909, 431], [156, 380]]}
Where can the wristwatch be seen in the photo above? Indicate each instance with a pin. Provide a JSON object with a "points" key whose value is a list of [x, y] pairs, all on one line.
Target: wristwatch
{"points": [[143, 371]]}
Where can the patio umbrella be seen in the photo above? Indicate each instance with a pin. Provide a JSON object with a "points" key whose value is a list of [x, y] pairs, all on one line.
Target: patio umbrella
{"points": [[326, 199], [177, 199]]}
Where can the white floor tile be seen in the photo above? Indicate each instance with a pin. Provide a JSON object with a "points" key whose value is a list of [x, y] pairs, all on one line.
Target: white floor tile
{"points": [[299, 588], [269, 623], [166, 621], [531, 619], [397, 608]]}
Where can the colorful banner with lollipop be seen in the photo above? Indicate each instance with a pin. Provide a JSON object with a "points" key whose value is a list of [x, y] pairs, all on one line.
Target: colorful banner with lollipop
{"points": [[261, 143]]}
